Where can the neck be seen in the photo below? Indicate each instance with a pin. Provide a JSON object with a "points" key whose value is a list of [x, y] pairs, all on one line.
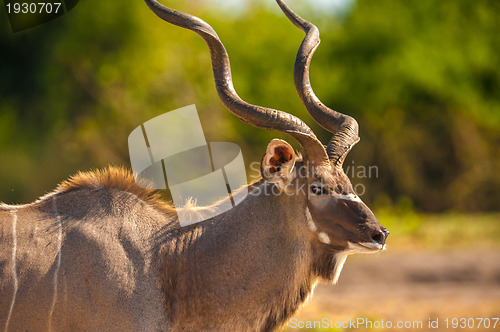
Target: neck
{"points": [[250, 267]]}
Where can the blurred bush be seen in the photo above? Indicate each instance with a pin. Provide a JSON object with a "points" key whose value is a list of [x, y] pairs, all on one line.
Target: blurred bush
{"points": [[421, 77]]}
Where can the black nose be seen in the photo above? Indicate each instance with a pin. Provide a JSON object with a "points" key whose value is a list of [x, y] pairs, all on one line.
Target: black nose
{"points": [[380, 236]]}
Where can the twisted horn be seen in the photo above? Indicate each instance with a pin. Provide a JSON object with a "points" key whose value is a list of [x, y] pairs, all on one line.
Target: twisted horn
{"points": [[257, 116], [343, 127]]}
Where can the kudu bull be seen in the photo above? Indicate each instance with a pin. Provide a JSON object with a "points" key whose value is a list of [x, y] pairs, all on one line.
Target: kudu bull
{"points": [[102, 254]]}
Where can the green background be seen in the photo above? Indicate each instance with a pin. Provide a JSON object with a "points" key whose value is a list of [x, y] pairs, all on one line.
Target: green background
{"points": [[421, 77]]}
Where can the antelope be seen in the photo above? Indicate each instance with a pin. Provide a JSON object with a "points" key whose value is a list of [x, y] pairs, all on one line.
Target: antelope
{"points": [[101, 253]]}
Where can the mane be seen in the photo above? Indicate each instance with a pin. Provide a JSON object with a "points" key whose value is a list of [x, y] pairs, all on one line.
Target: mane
{"points": [[121, 179], [116, 178]]}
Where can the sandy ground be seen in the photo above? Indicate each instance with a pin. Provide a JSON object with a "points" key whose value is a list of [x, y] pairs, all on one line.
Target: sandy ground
{"points": [[412, 286]]}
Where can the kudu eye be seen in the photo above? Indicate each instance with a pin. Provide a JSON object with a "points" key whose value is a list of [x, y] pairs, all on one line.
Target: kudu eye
{"points": [[320, 190], [339, 189]]}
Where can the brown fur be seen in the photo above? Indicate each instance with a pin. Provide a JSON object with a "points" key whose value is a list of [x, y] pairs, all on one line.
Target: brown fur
{"points": [[177, 249], [117, 178], [127, 265], [84, 258]]}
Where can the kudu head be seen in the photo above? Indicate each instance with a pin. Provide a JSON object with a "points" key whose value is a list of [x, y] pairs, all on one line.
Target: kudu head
{"points": [[334, 211]]}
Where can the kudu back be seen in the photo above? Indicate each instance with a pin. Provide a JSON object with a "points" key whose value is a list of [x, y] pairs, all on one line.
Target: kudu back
{"points": [[101, 253]]}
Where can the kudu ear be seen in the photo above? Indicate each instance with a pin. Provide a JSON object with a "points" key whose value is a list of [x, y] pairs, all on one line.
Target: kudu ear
{"points": [[277, 164]]}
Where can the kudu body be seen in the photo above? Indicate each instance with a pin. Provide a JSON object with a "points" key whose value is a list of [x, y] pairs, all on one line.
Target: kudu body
{"points": [[102, 254]]}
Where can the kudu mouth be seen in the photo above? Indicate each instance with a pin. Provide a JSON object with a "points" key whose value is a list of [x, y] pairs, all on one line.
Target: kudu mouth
{"points": [[377, 243]]}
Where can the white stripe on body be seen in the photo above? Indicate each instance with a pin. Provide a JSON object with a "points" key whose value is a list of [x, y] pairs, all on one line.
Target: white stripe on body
{"points": [[14, 272], [58, 260]]}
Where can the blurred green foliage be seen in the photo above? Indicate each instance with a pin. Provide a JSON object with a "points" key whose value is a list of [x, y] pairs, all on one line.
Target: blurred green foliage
{"points": [[421, 77]]}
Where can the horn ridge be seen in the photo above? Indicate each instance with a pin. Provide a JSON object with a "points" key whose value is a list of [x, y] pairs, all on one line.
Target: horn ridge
{"points": [[344, 127], [258, 116]]}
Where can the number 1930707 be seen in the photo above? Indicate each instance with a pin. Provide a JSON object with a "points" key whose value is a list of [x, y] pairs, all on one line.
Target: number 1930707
{"points": [[33, 7], [471, 323]]}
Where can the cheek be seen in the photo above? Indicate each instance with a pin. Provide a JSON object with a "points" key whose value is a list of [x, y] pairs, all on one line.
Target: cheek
{"points": [[323, 211], [329, 215], [321, 204], [325, 224]]}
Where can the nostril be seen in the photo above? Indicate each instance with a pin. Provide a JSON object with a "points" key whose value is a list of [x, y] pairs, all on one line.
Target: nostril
{"points": [[378, 237]]}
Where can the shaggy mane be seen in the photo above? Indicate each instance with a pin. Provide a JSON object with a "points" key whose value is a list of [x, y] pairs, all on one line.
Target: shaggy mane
{"points": [[121, 179], [118, 178]]}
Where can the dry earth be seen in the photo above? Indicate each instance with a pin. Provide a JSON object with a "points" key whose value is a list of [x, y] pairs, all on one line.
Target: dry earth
{"points": [[412, 286]]}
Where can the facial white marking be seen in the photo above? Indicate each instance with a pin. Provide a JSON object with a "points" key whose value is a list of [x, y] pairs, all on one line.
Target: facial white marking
{"points": [[349, 197], [310, 222], [58, 261], [14, 272], [323, 237]]}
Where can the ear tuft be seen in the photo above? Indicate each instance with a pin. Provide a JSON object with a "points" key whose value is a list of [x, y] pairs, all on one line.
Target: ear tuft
{"points": [[278, 162]]}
